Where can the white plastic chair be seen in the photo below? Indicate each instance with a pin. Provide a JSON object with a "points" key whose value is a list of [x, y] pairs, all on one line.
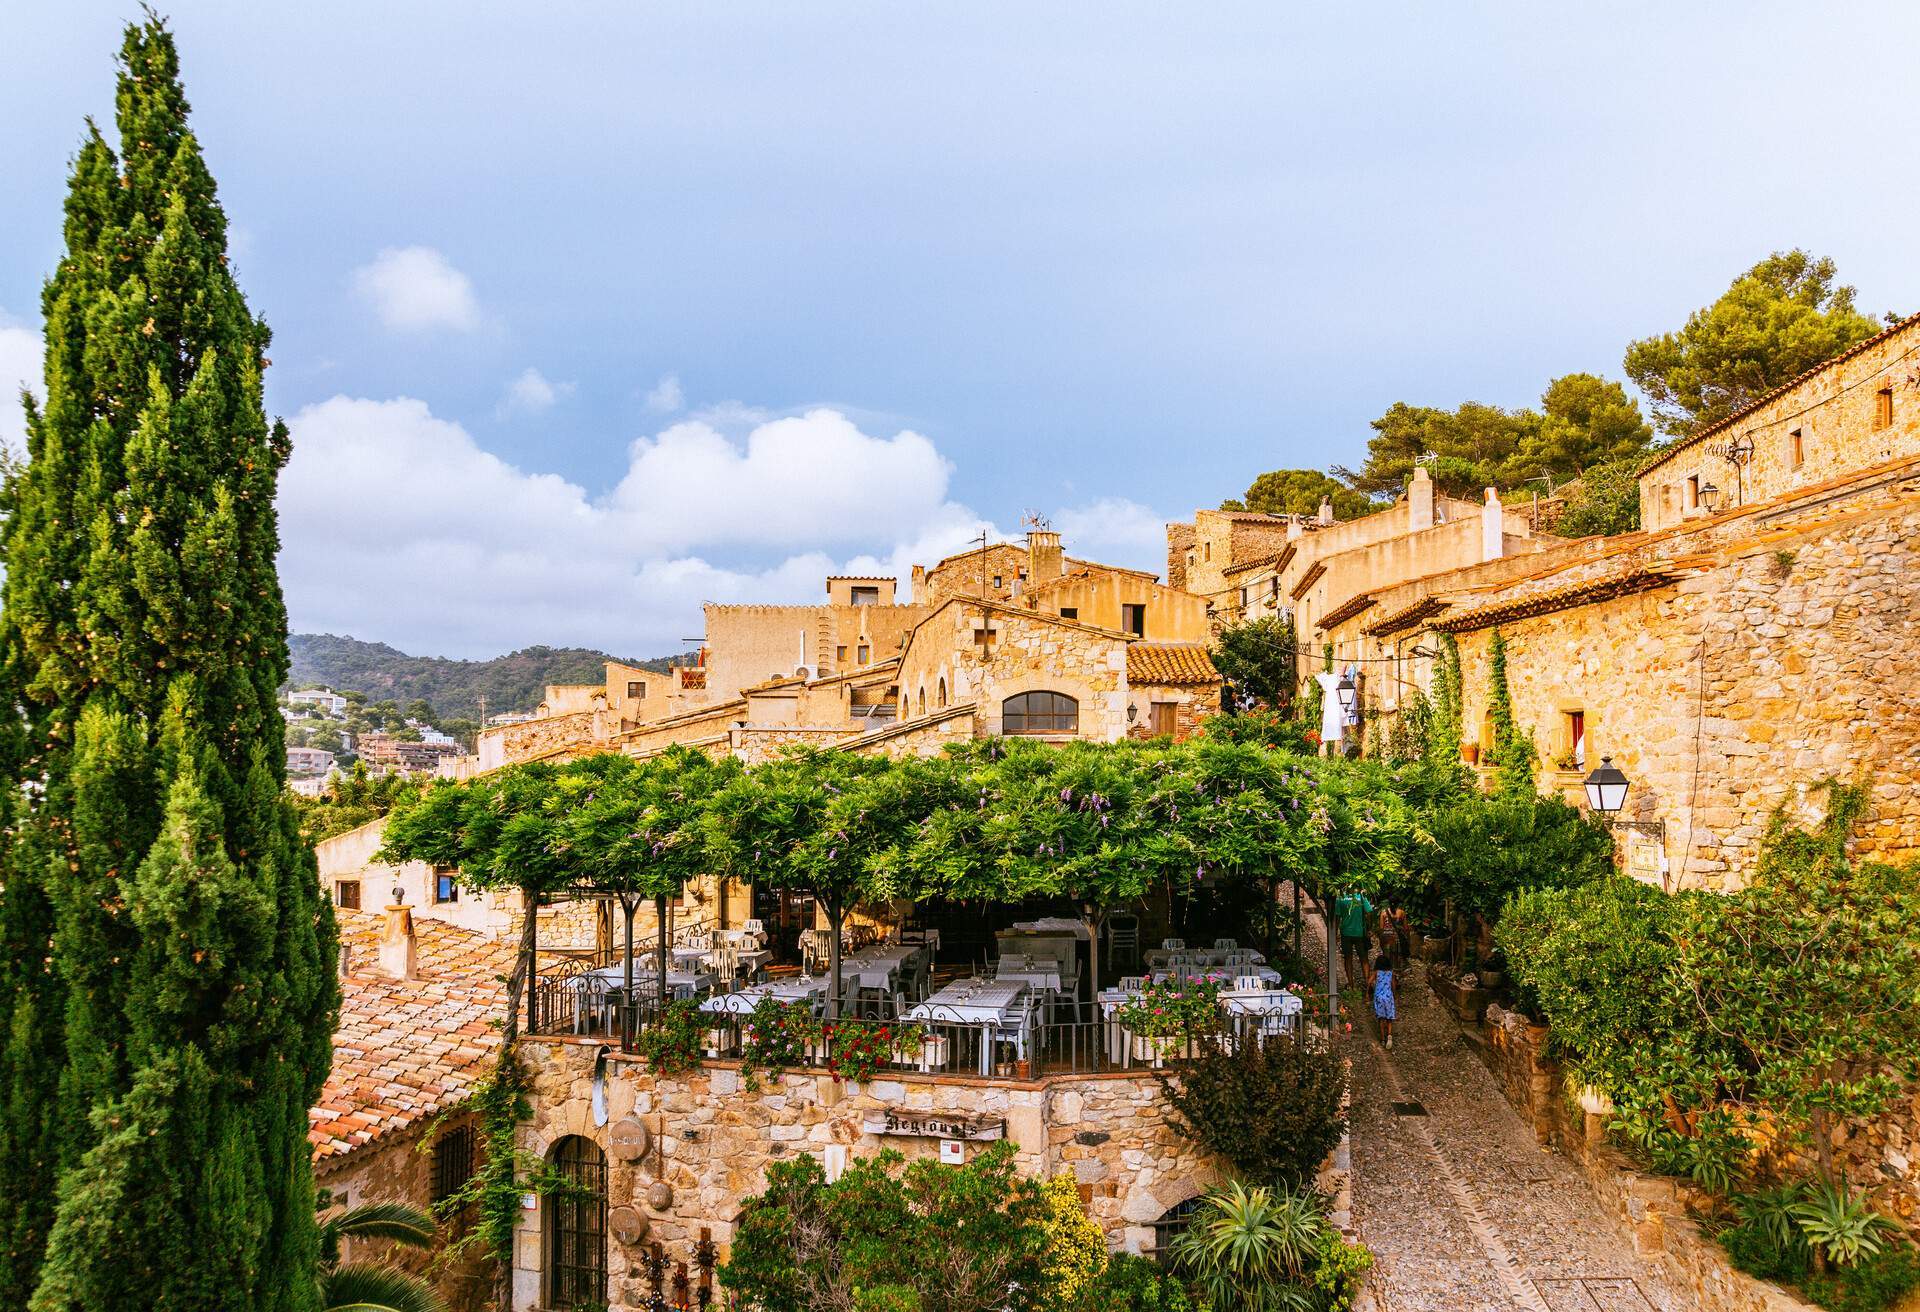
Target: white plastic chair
{"points": [[1225, 944], [1133, 983], [1173, 944], [1248, 984]]}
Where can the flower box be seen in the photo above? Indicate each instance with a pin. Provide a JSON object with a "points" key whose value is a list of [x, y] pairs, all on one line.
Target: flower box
{"points": [[936, 1053], [718, 1042]]}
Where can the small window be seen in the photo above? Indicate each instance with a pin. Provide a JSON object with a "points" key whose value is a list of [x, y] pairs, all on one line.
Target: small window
{"points": [[996, 580], [636, 690], [1160, 719], [840, 655], [943, 692], [862, 656], [1693, 492], [1245, 596], [1273, 586], [346, 894], [452, 1162], [1796, 448], [1069, 612], [1039, 713], [866, 596], [1574, 726], [923, 701], [445, 887], [1134, 619], [1206, 550], [1883, 408]]}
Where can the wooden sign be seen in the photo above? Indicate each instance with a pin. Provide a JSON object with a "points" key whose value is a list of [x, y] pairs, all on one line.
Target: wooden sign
{"points": [[934, 1125], [627, 1224]]}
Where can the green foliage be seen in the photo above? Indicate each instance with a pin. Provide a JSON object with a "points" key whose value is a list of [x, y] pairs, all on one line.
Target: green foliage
{"points": [[1255, 1249], [1778, 319], [1300, 492], [1075, 1251], [1135, 1284], [859, 1049], [1262, 728], [514, 682], [1444, 734], [1605, 500], [1514, 754], [1840, 1225], [1873, 1284], [1272, 1107], [777, 1036], [1829, 1242], [1341, 1269], [1486, 849], [374, 1286], [671, 1044], [1173, 1008], [918, 1235], [1583, 421], [167, 995], [352, 799], [1259, 661]]}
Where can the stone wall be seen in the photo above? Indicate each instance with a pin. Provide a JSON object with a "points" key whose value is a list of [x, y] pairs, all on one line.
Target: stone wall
{"points": [[1793, 658], [508, 744], [394, 1169], [1834, 414], [1027, 652], [1655, 1208], [711, 1142]]}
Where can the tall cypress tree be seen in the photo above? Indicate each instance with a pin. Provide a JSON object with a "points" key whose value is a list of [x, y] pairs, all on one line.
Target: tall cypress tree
{"points": [[167, 992]]}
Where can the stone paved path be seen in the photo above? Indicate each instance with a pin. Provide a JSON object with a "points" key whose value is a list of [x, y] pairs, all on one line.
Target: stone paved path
{"points": [[1463, 1210]]}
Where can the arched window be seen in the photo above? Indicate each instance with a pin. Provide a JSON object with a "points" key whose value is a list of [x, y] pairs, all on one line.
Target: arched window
{"points": [[1040, 712], [923, 701], [943, 692], [1170, 1225], [576, 1228]]}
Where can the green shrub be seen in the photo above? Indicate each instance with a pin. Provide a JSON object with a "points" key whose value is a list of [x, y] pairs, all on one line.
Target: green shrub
{"points": [[1342, 1267], [671, 1043], [1134, 1284], [1272, 1108], [1487, 849], [1254, 1250], [1873, 1284]]}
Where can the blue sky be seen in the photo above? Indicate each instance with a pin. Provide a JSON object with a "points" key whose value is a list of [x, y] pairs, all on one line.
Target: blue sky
{"points": [[548, 281]]}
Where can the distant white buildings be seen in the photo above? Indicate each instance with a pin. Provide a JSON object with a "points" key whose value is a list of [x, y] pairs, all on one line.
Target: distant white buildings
{"points": [[325, 700], [309, 762]]}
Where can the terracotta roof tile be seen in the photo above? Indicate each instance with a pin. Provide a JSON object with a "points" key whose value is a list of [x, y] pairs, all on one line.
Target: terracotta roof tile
{"points": [[1621, 583], [1406, 617], [407, 1050], [1345, 611], [1169, 663]]}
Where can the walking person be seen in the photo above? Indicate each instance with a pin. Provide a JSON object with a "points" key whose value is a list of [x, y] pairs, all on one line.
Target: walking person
{"points": [[1353, 910], [1380, 983]]}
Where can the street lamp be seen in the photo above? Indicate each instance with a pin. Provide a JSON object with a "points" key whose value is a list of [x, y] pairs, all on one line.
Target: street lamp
{"points": [[1606, 788], [1344, 690], [1710, 495]]}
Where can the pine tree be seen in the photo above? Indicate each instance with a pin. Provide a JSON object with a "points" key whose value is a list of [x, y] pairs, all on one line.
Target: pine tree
{"points": [[167, 994]]}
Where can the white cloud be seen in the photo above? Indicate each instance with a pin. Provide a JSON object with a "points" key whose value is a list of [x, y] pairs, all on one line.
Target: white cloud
{"points": [[398, 526], [415, 289], [532, 393], [20, 366], [666, 397]]}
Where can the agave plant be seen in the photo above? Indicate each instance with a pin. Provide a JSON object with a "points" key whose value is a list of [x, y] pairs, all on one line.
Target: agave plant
{"points": [[373, 1286], [1254, 1250], [1842, 1227]]}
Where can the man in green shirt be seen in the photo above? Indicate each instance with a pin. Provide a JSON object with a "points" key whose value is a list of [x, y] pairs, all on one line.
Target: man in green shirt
{"points": [[1352, 910]]}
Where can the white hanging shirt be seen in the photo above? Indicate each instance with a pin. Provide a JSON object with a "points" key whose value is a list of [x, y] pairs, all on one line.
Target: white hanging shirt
{"points": [[1332, 718]]}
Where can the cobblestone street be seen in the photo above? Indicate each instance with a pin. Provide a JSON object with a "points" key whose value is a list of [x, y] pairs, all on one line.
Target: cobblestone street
{"points": [[1462, 1208]]}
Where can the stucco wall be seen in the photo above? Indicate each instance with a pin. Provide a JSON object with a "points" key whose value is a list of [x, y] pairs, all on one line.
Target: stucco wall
{"points": [[751, 644], [1096, 596]]}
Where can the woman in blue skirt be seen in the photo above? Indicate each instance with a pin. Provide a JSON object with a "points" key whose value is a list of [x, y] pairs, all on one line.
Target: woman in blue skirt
{"points": [[1380, 980]]}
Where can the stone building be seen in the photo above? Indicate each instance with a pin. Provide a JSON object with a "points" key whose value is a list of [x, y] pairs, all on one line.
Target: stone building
{"points": [[1729, 656], [419, 1009], [1246, 565]]}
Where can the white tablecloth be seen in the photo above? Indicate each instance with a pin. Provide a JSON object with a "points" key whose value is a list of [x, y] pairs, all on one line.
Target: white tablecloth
{"points": [[743, 1002], [1054, 925], [1040, 975], [1225, 977], [998, 1007], [1211, 958], [879, 967]]}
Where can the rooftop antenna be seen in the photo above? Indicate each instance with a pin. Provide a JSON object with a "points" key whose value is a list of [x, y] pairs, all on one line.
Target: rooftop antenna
{"points": [[1033, 519], [983, 562]]}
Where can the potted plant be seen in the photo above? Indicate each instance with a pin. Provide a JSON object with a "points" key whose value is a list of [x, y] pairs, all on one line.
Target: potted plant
{"points": [[777, 1036], [1470, 753], [1164, 1018]]}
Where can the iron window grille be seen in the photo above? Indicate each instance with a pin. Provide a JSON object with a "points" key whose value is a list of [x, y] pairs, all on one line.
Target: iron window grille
{"points": [[576, 1229], [1039, 713]]}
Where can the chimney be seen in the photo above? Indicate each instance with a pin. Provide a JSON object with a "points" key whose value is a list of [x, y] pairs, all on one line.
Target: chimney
{"points": [[1420, 500], [399, 950], [1044, 561], [346, 960], [1493, 527], [1326, 510], [919, 596]]}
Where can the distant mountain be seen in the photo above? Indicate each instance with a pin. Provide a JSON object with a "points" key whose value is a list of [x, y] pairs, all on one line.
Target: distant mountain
{"points": [[514, 682]]}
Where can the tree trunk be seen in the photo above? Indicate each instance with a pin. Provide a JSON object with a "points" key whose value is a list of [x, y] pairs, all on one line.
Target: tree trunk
{"points": [[835, 913], [530, 948], [660, 948], [627, 901], [521, 977], [1093, 919]]}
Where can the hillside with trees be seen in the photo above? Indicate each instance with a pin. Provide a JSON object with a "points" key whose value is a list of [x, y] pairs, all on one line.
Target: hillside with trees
{"points": [[513, 682]]}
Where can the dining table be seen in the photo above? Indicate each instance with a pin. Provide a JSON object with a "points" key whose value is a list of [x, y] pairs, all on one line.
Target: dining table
{"points": [[597, 988], [880, 966], [789, 991], [1211, 958], [996, 1007], [1267, 975]]}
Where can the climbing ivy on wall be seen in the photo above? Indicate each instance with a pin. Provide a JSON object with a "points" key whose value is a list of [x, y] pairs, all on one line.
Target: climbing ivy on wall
{"points": [[1443, 727], [1513, 751]]}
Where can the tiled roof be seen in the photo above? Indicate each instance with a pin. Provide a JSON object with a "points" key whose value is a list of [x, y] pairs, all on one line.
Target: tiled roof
{"points": [[1659, 458], [1308, 579], [407, 1050], [1345, 611], [1277, 561], [1640, 579], [1406, 617], [1169, 663]]}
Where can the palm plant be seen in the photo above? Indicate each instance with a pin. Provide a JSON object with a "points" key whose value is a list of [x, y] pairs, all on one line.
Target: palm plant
{"points": [[374, 1286], [1254, 1250]]}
